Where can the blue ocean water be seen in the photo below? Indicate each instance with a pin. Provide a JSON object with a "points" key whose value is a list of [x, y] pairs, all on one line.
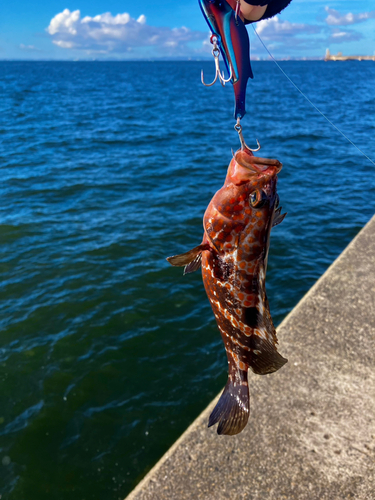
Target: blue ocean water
{"points": [[106, 352]]}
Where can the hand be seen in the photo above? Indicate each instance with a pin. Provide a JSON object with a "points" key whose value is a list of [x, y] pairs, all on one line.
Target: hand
{"points": [[252, 12]]}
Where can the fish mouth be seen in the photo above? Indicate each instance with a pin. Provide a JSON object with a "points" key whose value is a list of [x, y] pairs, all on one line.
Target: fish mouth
{"points": [[246, 159]]}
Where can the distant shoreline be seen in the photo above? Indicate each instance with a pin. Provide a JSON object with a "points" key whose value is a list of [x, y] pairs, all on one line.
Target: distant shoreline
{"points": [[322, 59], [340, 57], [149, 60]]}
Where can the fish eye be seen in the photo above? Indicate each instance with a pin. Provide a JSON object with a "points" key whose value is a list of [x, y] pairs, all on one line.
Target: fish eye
{"points": [[258, 198]]}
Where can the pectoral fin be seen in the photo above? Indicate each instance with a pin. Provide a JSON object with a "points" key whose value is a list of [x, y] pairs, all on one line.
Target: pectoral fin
{"points": [[191, 259]]}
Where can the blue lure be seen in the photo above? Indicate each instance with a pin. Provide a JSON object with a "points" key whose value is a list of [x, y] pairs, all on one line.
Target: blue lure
{"points": [[234, 45]]}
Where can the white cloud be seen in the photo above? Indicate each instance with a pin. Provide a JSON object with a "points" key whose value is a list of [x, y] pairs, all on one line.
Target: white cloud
{"points": [[64, 45], [106, 33], [29, 48], [338, 36], [276, 30], [335, 18], [64, 22]]}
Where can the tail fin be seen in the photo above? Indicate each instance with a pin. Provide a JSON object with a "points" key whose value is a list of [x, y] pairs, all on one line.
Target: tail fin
{"points": [[233, 408]]}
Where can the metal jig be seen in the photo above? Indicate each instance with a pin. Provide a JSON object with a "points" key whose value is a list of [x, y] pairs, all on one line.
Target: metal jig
{"points": [[218, 74], [238, 128]]}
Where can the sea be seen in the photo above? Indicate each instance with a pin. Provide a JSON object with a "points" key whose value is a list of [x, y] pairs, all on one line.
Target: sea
{"points": [[107, 353]]}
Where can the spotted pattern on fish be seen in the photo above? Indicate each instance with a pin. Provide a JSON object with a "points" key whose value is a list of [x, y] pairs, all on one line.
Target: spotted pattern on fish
{"points": [[234, 254]]}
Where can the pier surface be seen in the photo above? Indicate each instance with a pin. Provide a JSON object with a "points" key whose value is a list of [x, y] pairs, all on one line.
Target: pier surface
{"points": [[311, 433]]}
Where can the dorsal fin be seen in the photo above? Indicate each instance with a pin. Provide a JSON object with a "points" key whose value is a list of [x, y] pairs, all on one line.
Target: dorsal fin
{"points": [[278, 217], [265, 357]]}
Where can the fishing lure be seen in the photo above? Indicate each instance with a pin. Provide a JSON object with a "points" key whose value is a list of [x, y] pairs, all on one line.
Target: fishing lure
{"points": [[233, 256], [230, 38]]}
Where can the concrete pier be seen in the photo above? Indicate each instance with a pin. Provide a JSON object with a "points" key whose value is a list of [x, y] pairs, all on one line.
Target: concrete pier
{"points": [[311, 433]]}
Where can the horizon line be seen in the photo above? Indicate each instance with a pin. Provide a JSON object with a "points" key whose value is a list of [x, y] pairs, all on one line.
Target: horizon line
{"points": [[160, 59]]}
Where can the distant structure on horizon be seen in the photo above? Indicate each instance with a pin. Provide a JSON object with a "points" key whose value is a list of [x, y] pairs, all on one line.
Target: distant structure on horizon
{"points": [[340, 57]]}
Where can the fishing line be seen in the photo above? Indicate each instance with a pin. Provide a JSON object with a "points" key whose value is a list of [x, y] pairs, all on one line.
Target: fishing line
{"points": [[305, 96]]}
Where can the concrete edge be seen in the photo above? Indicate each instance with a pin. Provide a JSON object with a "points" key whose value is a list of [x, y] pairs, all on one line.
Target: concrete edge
{"points": [[202, 415]]}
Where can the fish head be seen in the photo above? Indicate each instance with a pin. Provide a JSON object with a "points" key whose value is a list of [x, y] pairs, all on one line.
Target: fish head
{"points": [[243, 210]]}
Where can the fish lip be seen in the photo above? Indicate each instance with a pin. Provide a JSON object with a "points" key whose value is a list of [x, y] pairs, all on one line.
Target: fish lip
{"points": [[248, 166], [256, 168]]}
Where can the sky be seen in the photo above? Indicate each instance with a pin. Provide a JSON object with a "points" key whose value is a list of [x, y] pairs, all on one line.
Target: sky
{"points": [[149, 29]]}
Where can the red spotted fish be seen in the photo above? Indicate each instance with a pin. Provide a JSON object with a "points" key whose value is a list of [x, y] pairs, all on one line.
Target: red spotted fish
{"points": [[233, 256]]}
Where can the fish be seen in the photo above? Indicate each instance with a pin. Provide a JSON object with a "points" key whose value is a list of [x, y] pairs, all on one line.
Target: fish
{"points": [[234, 45], [233, 257]]}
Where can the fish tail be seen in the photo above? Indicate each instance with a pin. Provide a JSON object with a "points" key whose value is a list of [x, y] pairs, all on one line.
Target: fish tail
{"points": [[233, 408]]}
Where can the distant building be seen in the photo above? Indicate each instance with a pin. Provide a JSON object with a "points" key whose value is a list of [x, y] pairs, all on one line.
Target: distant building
{"points": [[340, 57]]}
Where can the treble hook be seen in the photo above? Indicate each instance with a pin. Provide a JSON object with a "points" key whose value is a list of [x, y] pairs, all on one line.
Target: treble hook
{"points": [[252, 160], [238, 128], [218, 74]]}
